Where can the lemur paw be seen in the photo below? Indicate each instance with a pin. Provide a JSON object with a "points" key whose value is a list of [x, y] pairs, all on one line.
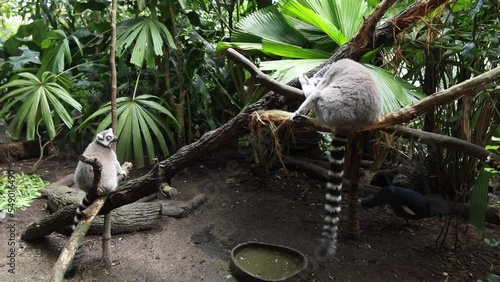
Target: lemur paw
{"points": [[308, 84], [293, 116], [303, 79]]}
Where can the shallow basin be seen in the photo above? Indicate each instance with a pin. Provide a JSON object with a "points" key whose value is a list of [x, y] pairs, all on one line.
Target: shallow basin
{"points": [[261, 262]]}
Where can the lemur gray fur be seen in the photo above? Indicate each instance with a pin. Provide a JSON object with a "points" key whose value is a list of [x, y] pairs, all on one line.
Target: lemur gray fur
{"points": [[101, 150], [345, 97]]}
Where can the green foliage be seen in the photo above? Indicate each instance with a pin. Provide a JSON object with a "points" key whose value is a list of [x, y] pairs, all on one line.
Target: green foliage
{"points": [[403, 93], [492, 243], [267, 24], [148, 36], [305, 29], [26, 190], [479, 200], [139, 119], [30, 35], [58, 51], [495, 146], [491, 277], [308, 30], [27, 57], [41, 100], [496, 141]]}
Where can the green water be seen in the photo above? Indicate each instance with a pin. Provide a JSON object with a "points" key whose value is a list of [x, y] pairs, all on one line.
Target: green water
{"points": [[268, 264]]}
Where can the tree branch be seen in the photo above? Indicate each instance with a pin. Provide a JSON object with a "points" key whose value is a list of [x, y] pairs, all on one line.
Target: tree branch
{"points": [[309, 124], [81, 229], [406, 114], [76, 239], [363, 41], [262, 78], [388, 31], [448, 142]]}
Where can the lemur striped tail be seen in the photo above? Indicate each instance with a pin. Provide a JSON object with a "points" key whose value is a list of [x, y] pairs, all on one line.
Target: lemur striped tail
{"points": [[75, 263], [333, 196]]}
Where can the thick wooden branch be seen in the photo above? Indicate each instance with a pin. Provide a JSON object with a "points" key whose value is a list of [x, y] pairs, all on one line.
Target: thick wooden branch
{"points": [[58, 221], [448, 142], [388, 31], [97, 167], [406, 114], [236, 127], [76, 239], [310, 124]]}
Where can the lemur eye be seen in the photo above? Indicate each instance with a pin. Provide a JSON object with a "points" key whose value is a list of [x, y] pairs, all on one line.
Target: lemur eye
{"points": [[108, 137]]}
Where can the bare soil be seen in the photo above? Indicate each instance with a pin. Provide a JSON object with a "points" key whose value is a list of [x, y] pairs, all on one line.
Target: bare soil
{"points": [[283, 208]]}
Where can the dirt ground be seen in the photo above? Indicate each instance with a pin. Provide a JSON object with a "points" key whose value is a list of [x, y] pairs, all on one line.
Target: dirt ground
{"points": [[284, 208]]}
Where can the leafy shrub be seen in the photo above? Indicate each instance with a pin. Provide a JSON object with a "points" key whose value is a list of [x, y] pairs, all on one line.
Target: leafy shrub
{"points": [[26, 187]]}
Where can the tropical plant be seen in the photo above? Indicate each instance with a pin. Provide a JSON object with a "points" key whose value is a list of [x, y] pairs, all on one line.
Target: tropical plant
{"points": [[139, 119], [26, 190], [39, 100], [479, 199], [148, 35], [303, 33], [58, 51], [299, 29], [454, 45]]}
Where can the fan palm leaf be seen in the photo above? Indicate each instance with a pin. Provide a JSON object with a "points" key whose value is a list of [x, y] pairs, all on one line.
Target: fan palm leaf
{"points": [[40, 99], [307, 31], [270, 24], [148, 36], [58, 51], [396, 92], [142, 123]]}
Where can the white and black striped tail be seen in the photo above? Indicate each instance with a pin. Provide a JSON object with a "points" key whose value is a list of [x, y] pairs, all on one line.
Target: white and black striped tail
{"points": [[75, 263], [333, 196]]}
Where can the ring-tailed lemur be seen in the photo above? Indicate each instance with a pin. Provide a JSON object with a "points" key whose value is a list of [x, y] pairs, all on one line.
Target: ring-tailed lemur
{"points": [[345, 97], [101, 150]]}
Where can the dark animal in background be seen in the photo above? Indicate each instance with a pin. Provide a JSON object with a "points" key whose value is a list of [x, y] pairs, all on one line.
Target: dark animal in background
{"points": [[407, 203]]}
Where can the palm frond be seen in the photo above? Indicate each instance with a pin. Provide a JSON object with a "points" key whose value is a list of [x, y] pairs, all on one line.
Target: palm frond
{"points": [[292, 51], [139, 119], [148, 37], [268, 24], [397, 93], [286, 70], [307, 15], [58, 51], [41, 99]]}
